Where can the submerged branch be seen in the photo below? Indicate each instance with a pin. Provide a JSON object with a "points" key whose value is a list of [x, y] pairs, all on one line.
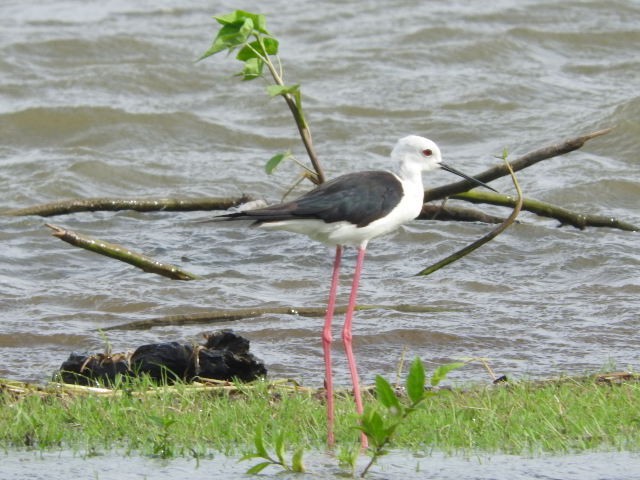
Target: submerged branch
{"points": [[219, 316], [456, 214], [520, 163], [121, 253], [138, 204], [564, 216]]}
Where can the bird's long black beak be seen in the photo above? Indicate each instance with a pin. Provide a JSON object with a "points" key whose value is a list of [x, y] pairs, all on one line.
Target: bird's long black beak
{"points": [[446, 167]]}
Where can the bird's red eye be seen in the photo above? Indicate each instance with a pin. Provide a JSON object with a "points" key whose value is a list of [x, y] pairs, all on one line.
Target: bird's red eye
{"points": [[427, 152]]}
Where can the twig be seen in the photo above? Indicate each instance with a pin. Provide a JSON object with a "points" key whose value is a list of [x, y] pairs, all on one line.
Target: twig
{"points": [[575, 219], [138, 204], [400, 367], [219, 316], [488, 237], [524, 161], [121, 253]]}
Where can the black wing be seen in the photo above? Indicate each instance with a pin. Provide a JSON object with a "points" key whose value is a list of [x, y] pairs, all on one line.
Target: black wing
{"points": [[358, 198]]}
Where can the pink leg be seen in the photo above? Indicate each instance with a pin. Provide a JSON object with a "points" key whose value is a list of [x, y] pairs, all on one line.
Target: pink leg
{"points": [[326, 343], [347, 337]]}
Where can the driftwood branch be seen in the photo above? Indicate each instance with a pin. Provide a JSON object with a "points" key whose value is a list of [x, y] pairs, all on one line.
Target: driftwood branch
{"points": [[456, 214], [520, 163], [121, 253], [140, 205], [455, 190], [568, 217], [220, 316], [486, 238]]}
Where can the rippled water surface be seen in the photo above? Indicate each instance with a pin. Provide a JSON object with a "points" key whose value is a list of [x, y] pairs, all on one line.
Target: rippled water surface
{"points": [[590, 466], [104, 99]]}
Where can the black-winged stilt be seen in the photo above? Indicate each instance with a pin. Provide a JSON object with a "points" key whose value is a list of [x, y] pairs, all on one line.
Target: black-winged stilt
{"points": [[350, 210]]}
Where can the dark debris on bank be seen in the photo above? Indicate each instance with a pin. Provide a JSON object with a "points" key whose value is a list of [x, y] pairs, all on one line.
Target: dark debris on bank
{"points": [[224, 356]]}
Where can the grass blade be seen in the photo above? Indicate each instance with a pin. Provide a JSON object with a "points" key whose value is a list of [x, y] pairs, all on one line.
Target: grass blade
{"points": [[258, 468], [296, 461], [279, 444], [259, 443]]}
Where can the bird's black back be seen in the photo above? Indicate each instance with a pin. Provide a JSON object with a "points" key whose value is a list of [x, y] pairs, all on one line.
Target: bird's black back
{"points": [[358, 198]]}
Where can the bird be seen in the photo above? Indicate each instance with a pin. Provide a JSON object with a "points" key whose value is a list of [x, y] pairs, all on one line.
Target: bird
{"points": [[349, 211]]}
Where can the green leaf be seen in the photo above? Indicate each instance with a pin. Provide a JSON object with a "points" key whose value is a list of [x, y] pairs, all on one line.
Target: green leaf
{"points": [[279, 444], [274, 161], [415, 381], [252, 69], [274, 90], [237, 16], [442, 371], [230, 36], [386, 395], [249, 456], [163, 422], [258, 468], [372, 424], [158, 420], [250, 49], [258, 441], [296, 461], [240, 16]]}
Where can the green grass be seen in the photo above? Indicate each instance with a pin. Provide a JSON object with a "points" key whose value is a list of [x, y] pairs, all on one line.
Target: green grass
{"points": [[557, 417]]}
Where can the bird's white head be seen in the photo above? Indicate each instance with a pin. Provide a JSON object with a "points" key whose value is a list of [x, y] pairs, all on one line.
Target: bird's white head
{"points": [[416, 154]]}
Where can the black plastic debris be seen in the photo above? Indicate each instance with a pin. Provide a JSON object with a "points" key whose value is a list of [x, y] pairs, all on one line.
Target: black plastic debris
{"points": [[224, 356], [164, 362], [84, 369], [226, 340]]}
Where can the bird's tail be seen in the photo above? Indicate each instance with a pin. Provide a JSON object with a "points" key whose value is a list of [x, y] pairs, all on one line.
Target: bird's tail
{"points": [[236, 213]]}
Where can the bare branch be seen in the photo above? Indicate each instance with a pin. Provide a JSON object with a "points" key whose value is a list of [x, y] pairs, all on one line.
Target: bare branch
{"points": [[138, 204], [524, 161], [486, 238], [219, 316], [564, 216], [121, 253]]}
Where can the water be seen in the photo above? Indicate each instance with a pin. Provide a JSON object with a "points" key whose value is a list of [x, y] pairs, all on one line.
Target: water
{"points": [[587, 466], [104, 99]]}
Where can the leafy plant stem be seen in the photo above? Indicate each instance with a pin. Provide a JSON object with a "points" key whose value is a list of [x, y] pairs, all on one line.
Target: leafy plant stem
{"points": [[380, 449], [381, 428], [298, 115]]}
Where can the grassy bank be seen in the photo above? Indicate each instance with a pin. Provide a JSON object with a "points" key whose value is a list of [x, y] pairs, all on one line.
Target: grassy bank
{"points": [[554, 416]]}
